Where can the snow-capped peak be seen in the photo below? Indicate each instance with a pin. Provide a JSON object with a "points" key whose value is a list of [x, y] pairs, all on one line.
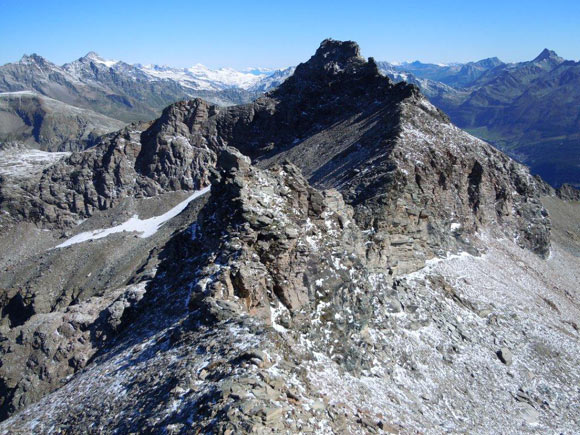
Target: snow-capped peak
{"points": [[259, 71], [203, 78], [196, 78], [32, 59], [91, 56]]}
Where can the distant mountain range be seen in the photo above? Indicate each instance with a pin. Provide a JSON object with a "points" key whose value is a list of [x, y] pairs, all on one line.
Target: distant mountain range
{"points": [[133, 92], [531, 110], [335, 257]]}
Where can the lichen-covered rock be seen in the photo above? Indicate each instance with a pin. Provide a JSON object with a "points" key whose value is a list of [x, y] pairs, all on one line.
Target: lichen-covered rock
{"points": [[267, 315], [280, 248]]}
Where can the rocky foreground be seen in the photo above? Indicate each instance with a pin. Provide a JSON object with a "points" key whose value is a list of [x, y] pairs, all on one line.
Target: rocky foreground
{"points": [[359, 264]]}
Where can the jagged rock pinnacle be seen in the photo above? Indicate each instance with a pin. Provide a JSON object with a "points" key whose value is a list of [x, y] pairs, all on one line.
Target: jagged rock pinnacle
{"points": [[335, 57], [91, 55], [338, 51], [547, 54]]}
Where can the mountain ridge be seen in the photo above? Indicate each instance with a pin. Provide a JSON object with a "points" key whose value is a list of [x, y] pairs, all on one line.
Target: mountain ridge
{"points": [[498, 102], [527, 109], [357, 261]]}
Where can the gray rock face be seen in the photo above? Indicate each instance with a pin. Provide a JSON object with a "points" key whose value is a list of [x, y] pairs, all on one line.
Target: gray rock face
{"points": [[273, 248], [276, 243], [267, 315], [568, 192], [103, 176], [47, 348]]}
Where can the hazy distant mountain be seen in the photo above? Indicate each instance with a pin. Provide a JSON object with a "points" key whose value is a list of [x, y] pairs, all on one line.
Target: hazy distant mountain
{"points": [[272, 81], [111, 93], [437, 91], [131, 92], [529, 109], [363, 267], [532, 111], [455, 74], [50, 125]]}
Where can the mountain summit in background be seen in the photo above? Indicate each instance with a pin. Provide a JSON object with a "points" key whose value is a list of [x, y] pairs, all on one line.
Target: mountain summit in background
{"points": [[130, 92], [529, 109], [333, 257]]}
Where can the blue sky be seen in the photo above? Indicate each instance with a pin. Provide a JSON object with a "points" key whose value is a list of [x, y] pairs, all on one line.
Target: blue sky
{"points": [[276, 34]]}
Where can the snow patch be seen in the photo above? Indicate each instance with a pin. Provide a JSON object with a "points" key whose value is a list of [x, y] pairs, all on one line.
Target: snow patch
{"points": [[147, 227], [26, 163]]}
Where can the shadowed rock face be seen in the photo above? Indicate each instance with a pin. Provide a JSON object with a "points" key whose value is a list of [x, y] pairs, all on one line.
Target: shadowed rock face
{"points": [[324, 193]]}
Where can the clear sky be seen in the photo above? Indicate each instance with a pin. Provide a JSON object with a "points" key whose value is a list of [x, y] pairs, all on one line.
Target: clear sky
{"points": [[256, 33]]}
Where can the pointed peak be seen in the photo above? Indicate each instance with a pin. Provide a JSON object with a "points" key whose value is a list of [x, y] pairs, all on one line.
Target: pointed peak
{"points": [[337, 68], [548, 55], [338, 52], [489, 62], [91, 55], [334, 57], [28, 58]]}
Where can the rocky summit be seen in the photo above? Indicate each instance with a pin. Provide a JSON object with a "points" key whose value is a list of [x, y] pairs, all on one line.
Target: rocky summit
{"points": [[334, 257]]}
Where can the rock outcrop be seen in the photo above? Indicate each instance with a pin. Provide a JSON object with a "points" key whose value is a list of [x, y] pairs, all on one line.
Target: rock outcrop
{"points": [[42, 350], [267, 315], [280, 245]]}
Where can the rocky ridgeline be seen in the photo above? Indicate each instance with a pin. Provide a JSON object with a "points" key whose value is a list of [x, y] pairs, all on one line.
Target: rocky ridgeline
{"points": [[266, 250], [286, 251], [415, 180], [50, 125], [120, 166], [351, 181]]}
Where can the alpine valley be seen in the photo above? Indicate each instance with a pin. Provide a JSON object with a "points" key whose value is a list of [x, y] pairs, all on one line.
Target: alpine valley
{"points": [[312, 250]]}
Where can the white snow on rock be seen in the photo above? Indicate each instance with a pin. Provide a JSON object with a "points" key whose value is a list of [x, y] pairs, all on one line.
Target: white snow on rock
{"points": [[107, 63], [94, 57], [147, 227], [202, 78], [26, 163], [17, 93], [442, 371], [455, 226], [198, 77]]}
